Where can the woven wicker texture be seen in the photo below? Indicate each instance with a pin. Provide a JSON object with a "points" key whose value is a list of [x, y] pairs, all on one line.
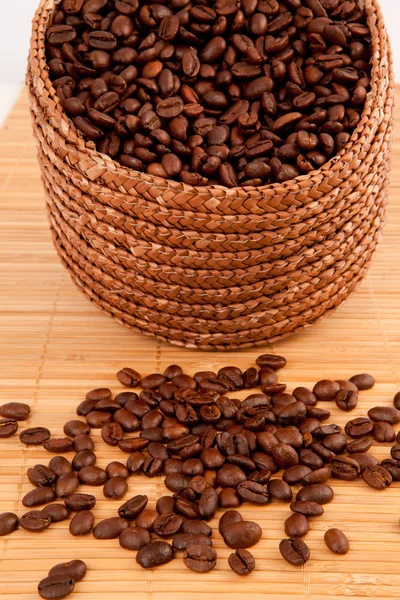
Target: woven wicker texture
{"points": [[210, 267]]}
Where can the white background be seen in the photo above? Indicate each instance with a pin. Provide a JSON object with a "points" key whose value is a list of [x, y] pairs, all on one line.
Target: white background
{"points": [[15, 25]]}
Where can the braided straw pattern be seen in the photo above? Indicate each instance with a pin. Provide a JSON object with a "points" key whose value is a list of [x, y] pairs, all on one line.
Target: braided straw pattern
{"points": [[211, 267]]}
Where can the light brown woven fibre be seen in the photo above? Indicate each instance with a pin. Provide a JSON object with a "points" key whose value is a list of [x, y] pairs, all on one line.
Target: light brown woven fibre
{"points": [[211, 267]]}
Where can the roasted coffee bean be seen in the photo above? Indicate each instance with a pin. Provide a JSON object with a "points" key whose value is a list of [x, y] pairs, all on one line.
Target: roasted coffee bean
{"points": [[154, 554], [200, 558], [110, 528], [78, 502], [363, 381], [382, 432], [272, 361], [35, 521], [336, 541], [296, 525], [128, 377], [56, 587], [307, 508], [358, 427], [115, 488], [60, 465], [345, 468], [377, 477], [146, 519], [8, 523], [242, 562], [41, 476], [318, 476], [182, 541], [58, 445], [98, 418], [83, 458], [92, 476], [196, 528], [365, 460], [34, 436], [74, 428], [251, 491], [82, 523], [167, 525], [319, 493], [279, 489], [57, 512], [16, 411], [66, 485], [241, 534], [326, 390], [87, 406], [208, 503], [74, 568], [38, 496], [112, 433], [362, 445], [134, 538], [117, 469], [389, 414], [133, 507], [294, 551]]}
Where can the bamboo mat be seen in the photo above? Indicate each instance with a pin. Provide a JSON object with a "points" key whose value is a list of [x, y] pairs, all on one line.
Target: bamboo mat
{"points": [[54, 346]]}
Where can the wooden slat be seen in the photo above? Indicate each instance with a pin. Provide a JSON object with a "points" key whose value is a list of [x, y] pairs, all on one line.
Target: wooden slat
{"points": [[54, 346]]}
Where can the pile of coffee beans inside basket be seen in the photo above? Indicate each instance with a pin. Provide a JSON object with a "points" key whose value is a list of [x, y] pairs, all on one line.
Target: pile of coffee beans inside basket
{"points": [[214, 452], [231, 92]]}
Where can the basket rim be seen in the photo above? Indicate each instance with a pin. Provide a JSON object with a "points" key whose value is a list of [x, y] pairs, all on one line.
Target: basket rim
{"points": [[375, 99]]}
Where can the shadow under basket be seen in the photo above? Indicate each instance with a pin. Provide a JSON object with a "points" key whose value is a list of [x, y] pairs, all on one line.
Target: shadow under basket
{"points": [[211, 267]]}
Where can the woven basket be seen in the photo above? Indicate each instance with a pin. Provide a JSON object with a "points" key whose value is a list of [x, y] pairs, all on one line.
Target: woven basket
{"points": [[211, 267]]}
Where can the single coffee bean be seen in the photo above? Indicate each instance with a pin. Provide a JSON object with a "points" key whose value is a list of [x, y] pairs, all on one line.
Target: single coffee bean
{"points": [[38, 496], [74, 568], [389, 414], [75, 428], [134, 538], [66, 485], [182, 541], [58, 445], [326, 390], [110, 528], [92, 476], [87, 406], [360, 445], [382, 432], [377, 477], [34, 436], [78, 502], [115, 488], [242, 562], [307, 508], [242, 534], [279, 489], [167, 525], [363, 381], [155, 554], [35, 521], [16, 411], [133, 507], [319, 493], [56, 587], [82, 523], [336, 541], [99, 394], [128, 377], [294, 551], [57, 512], [200, 558], [146, 519], [8, 523], [296, 525], [84, 458], [60, 465], [251, 491]]}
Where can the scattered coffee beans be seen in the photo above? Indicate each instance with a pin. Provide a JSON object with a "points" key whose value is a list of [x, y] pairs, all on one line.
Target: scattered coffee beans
{"points": [[232, 93], [214, 452]]}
